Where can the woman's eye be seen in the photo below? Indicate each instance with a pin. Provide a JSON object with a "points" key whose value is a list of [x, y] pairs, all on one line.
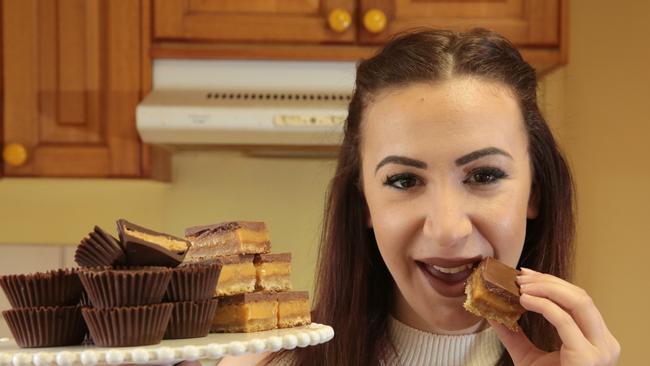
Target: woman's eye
{"points": [[401, 181], [485, 176]]}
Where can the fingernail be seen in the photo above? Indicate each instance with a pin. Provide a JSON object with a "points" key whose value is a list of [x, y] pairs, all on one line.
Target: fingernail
{"points": [[528, 270]]}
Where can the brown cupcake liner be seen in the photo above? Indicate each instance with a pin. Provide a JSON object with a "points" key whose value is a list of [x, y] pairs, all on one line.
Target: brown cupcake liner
{"points": [[193, 282], [46, 326], [191, 319], [128, 326], [108, 288], [60, 287], [88, 340], [99, 249], [84, 300]]}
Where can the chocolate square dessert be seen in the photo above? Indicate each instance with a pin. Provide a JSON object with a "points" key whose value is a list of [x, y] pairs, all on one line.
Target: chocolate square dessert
{"points": [[145, 247], [492, 292], [273, 272], [229, 238], [250, 312], [293, 309]]}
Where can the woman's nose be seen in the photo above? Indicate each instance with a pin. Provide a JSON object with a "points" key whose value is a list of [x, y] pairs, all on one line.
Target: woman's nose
{"points": [[447, 221]]}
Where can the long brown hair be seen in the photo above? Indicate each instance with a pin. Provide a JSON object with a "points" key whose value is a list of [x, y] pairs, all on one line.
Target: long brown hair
{"points": [[354, 288]]}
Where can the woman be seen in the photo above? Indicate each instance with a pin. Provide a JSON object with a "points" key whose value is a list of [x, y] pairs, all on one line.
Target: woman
{"points": [[446, 160]]}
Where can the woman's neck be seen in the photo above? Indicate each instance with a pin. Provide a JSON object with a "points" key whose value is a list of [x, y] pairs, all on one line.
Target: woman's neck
{"points": [[449, 319]]}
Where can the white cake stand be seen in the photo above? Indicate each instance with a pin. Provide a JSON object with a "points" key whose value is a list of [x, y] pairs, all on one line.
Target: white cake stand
{"points": [[206, 350]]}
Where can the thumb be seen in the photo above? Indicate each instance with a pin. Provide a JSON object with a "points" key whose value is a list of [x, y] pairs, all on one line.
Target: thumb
{"points": [[520, 348]]}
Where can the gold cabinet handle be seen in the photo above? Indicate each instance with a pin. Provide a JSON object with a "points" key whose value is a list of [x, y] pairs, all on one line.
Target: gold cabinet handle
{"points": [[339, 20], [374, 20], [14, 154]]}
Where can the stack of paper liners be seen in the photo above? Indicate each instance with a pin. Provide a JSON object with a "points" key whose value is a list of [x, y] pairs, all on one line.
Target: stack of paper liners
{"points": [[123, 299], [45, 310], [190, 290], [249, 279]]}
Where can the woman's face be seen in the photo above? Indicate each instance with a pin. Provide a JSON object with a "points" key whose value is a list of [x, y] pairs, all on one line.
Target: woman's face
{"points": [[447, 179]]}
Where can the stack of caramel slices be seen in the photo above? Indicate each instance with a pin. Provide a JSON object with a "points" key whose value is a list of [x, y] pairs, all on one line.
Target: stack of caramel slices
{"points": [[254, 288]]}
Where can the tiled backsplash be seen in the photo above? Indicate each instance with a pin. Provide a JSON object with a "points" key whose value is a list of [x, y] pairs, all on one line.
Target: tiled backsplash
{"points": [[25, 258]]}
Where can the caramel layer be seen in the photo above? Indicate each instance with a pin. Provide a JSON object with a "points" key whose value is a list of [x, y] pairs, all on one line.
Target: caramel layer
{"points": [[235, 287], [488, 304], [273, 269], [246, 316], [165, 241], [229, 238], [237, 271], [274, 283], [252, 237], [292, 309]]}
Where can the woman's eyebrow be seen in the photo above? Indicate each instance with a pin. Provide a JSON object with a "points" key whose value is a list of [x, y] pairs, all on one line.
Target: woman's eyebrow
{"points": [[479, 154], [403, 160]]}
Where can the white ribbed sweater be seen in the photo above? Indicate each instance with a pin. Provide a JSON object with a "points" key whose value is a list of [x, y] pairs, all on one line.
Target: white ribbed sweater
{"points": [[415, 347]]}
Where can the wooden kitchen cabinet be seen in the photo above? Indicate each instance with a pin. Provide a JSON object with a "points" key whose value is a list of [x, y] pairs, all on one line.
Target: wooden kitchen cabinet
{"points": [[303, 29], [73, 73], [300, 21], [524, 22]]}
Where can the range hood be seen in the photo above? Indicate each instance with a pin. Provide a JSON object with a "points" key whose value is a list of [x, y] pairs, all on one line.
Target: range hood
{"points": [[246, 103]]}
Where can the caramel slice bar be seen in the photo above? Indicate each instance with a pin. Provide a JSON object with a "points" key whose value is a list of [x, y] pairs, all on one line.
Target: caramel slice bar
{"points": [[492, 292], [145, 247], [241, 237], [293, 309], [250, 312], [237, 276], [273, 272]]}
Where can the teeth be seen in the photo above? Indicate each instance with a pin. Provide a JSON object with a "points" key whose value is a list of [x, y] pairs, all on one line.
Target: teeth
{"points": [[452, 270]]}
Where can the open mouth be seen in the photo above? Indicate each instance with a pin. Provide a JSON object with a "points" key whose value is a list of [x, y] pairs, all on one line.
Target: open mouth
{"points": [[448, 277]]}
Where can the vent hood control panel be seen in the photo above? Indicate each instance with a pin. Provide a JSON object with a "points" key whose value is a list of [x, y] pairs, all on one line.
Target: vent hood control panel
{"points": [[246, 102]]}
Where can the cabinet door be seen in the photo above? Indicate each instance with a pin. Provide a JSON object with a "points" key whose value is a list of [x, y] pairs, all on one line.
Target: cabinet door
{"points": [[524, 22], [302, 21], [71, 85]]}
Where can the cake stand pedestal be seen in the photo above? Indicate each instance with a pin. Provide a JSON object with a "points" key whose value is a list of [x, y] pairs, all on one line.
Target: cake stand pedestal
{"points": [[206, 350]]}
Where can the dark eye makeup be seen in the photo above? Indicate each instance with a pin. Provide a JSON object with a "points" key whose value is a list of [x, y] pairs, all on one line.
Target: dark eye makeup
{"points": [[485, 175], [402, 181], [478, 177]]}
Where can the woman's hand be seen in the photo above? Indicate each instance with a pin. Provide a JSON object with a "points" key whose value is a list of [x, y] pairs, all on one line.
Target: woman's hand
{"points": [[585, 337]]}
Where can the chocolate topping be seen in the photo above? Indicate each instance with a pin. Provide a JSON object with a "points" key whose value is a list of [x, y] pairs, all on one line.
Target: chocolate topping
{"points": [[500, 278], [140, 252], [226, 259], [248, 297], [272, 257], [293, 295], [224, 227]]}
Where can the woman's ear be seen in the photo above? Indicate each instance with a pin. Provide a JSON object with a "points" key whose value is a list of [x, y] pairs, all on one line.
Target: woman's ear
{"points": [[533, 203]]}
